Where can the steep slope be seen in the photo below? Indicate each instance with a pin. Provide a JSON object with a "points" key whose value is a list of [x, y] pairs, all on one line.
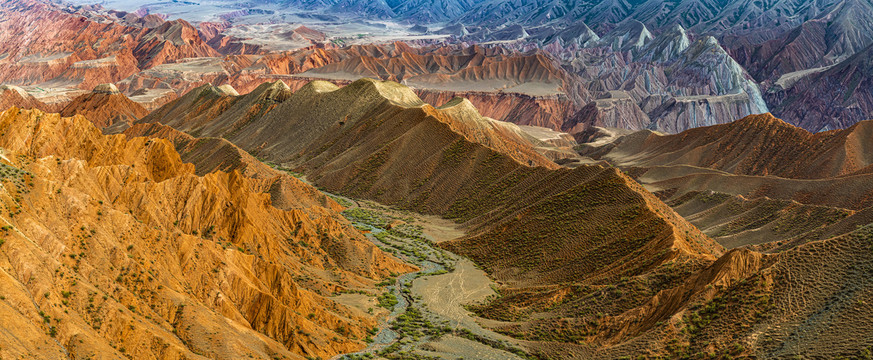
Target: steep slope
{"points": [[736, 221], [759, 21], [219, 111], [215, 154], [578, 34], [550, 111], [105, 106], [825, 40], [113, 248], [754, 181], [524, 229], [616, 109], [523, 221], [362, 140], [527, 89], [666, 83], [429, 11], [834, 98], [629, 35], [668, 45], [11, 95], [52, 47], [277, 128], [708, 87], [755, 145], [853, 192], [207, 154]]}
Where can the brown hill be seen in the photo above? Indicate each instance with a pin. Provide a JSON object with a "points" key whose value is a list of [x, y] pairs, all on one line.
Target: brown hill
{"points": [[849, 192], [526, 89], [547, 111], [735, 221], [272, 123], [743, 305], [628, 272], [215, 154], [755, 145], [363, 138], [11, 95], [213, 34], [105, 106], [219, 111], [207, 154], [113, 247], [755, 181]]}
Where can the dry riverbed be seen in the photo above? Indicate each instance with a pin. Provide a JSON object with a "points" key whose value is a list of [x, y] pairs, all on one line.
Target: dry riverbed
{"points": [[426, 316]]}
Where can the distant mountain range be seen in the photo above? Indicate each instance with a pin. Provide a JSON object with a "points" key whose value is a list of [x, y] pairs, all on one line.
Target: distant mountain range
{"points": [[758, 51]]}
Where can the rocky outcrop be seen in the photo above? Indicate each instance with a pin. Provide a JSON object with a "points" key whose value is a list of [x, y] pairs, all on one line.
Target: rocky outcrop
{"points": [[54, 51], [578, 34], [469, 69], [432, 11], [11, 95], [822, 41], [545, 111], [617, 110], [106, 89], [674, 85], [706, 87], [668, 45], [105, 106], [726, 76], [116, 245], [833, 98], [680, 113], [214, 35], [629, 35]]}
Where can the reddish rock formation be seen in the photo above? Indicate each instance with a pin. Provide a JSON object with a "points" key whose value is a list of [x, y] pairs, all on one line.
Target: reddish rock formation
{"points": [[54, 51], [213, 34], [549, 111], [104, 107]]}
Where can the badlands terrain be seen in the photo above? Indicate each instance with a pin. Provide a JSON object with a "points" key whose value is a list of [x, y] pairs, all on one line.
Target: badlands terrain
{"points": [[436, 180]]}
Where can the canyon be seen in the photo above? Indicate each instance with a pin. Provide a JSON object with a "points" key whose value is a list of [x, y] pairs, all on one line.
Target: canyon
{"points": [[407, 179], [521, 222]]}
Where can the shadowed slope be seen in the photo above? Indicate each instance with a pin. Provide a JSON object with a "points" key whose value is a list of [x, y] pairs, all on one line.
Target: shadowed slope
{"points": [[278, 127], [755, 145]]}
